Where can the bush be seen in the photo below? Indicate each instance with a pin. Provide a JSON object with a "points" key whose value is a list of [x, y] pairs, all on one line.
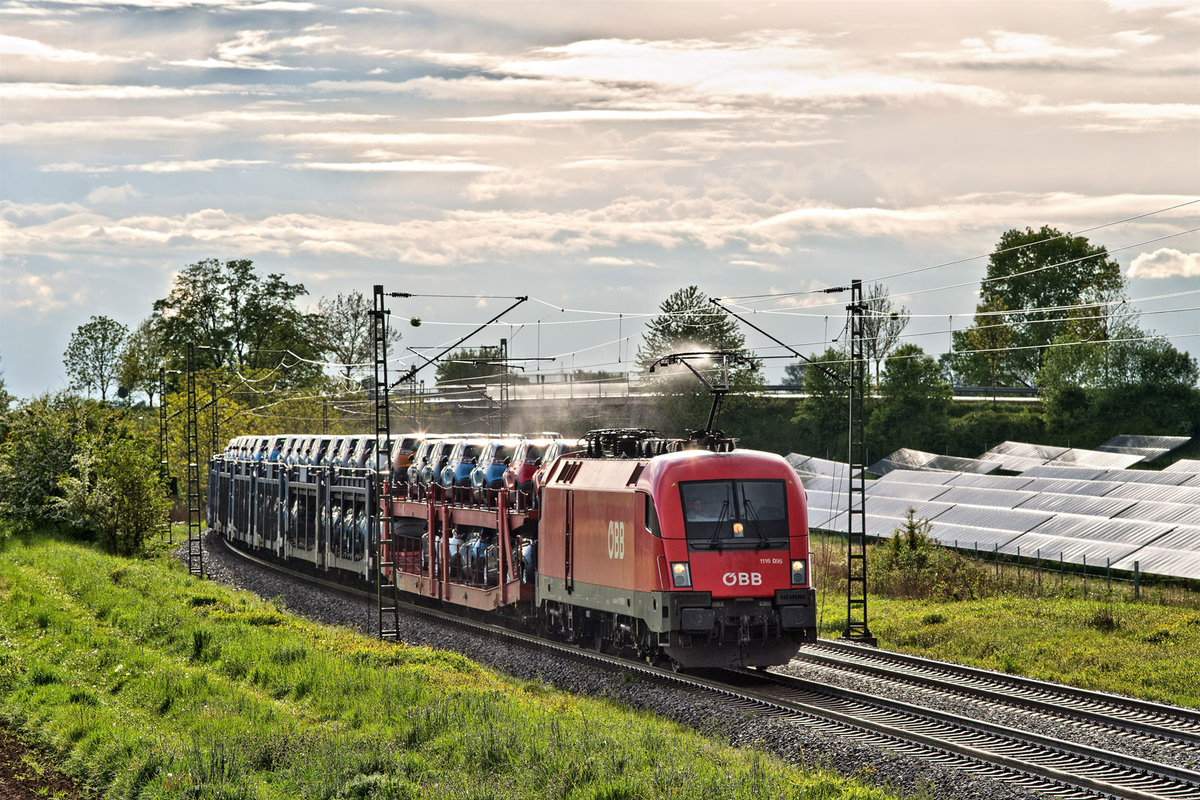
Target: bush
{"points": [[114, 496], [913, 565]]}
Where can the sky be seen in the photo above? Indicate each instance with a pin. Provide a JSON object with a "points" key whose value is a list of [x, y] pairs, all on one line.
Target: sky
{"points": [[593, 156]]}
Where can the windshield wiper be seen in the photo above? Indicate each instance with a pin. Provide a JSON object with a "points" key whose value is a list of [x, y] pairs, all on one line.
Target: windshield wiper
{"points": [[715, 541], [752, 515]]}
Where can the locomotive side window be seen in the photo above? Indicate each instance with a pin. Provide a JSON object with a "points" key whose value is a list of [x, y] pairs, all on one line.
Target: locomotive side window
{"points": [[734, 514], [651, 516]]}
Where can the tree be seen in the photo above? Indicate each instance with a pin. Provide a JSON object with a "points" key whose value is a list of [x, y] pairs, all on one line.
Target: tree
{"points": [[986, 343], [1037, 276], [114, 494], [882, 325], [822, 417], [471, 365], [141, 359], [93, 354], [43, 439], [915, 411], [347, 328], [689, 323], [238, 319]]}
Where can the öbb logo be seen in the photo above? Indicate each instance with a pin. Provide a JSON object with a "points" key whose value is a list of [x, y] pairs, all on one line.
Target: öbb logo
{"points": [[616, 539], [742, 579]]}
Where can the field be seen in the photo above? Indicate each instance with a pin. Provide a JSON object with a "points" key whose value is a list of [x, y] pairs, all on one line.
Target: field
{"points": [[1041, 629], [141, 681]]}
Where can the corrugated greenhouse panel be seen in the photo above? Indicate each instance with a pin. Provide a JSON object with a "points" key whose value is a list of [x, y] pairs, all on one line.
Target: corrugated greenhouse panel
{"points": [[1071, 486], [965, 537], [1157, 492], [1076, 457], [1192, 481], [819, 483], [1078, 473], [1144, 476], [1004, 519], [1073, 551], [1177, 513], [991, 481], [1184, 465], [1149, 447], [1165, 560], [912, 476], [908, 491], [1013, 463], [822, 506], [976, 496], [1185, 538], [1129, 531], [1078, 504]]}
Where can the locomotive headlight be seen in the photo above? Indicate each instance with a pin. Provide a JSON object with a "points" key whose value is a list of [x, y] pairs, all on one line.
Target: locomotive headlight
{"points": [[799, 572], [681, 576]]}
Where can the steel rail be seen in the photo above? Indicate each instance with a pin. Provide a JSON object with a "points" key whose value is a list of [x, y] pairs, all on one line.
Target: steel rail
{"points": [[963, 755], [1119, 773], [1146, 718]]}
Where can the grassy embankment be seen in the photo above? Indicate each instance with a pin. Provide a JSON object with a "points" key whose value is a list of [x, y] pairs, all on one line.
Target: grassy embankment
{"points": [[145, 682], [936, 603]]}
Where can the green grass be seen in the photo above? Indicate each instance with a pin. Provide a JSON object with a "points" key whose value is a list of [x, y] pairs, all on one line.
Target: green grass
{"points": [[1142, 648], [145, 682]]}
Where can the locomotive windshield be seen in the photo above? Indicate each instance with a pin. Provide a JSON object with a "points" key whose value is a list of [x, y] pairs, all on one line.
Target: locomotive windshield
{"points": [[735, 514]]}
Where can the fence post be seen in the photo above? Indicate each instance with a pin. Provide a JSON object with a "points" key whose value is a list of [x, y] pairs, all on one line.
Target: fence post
{"points": [[996, 558], [1018, 564], [1060, 569], [1039, 566], [1137, 581], [1108, 576], [1085, 576]]}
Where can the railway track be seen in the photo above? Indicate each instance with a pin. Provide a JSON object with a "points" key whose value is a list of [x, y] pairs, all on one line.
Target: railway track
{"points": [[1051, 767], [1045, 764], [1123, 716]]}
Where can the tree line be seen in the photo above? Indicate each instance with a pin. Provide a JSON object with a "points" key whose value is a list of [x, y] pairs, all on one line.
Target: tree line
{"points": [[1053, 316]]}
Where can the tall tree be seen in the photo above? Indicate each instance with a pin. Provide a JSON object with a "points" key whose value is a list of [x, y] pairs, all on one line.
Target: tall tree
{"points": [[915, 411], [93, 354], [1037, 276], [141, 359], [472, 365], [241, 320], [690, 323], [882, 325], [346, 326], [822, 416]]}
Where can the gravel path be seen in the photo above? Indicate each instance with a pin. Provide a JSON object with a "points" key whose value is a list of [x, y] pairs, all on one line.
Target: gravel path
{"points": [[794, 742]]}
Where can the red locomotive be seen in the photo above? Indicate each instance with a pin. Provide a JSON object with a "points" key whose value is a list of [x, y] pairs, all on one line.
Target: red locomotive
{"points": [[689, 553]]}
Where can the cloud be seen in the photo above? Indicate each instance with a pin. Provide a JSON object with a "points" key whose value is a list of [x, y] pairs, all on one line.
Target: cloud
{"points": [[367, 139], [1010, 49], [778, 66], [155, 167], [478, 236], [438, 165], [33, 49], [113, 194], [70, 91], [1165, 262], [598, 115], [1136, 38], [1124, 117], [106, 129], [39, 293]]}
